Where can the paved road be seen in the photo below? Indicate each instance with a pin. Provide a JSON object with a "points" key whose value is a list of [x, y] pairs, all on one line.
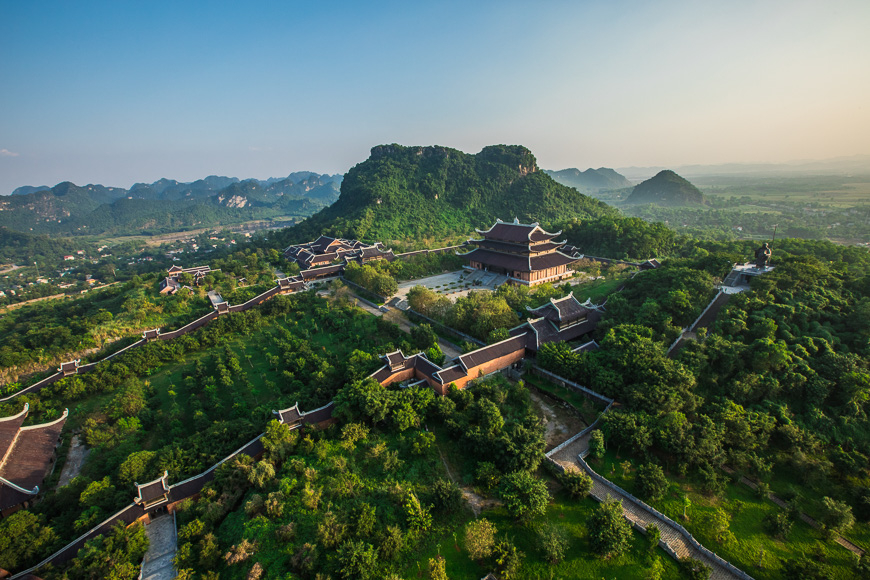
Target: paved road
{"points": [[163, 541]]}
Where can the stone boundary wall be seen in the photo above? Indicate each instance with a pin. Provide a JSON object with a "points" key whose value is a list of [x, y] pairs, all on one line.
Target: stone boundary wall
{"points": [[657, 514], [446, 329], [444, 250], [563, 382], [608, 260], [355, 285], [139, 342], [694, 326], [34, 387], [585, 431], [190, 327], [178, 492]]}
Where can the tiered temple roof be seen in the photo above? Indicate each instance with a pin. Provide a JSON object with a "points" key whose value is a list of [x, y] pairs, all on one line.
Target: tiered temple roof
{"points": [[26, 455], [526, 253]]}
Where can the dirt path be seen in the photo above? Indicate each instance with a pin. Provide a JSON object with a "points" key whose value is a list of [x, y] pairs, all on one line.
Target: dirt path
{"points": [[75, 459], [559, 422]]}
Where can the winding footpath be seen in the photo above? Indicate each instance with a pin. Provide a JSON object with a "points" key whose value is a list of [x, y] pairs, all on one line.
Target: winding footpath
{"points": [[673, 539]]}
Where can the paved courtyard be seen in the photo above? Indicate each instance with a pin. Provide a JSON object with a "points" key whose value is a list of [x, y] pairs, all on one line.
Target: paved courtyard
{"points": [[455, 284]]}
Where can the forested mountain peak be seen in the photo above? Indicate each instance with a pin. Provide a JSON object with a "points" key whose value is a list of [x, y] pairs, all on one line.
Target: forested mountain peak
{"points": [[165, 205], [666, 188], [404, 192]]}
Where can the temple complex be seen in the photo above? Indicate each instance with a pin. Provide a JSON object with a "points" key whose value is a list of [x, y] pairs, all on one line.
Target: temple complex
{"points": [[559, 320], [26, 458], [326, 250], [525, 253]]}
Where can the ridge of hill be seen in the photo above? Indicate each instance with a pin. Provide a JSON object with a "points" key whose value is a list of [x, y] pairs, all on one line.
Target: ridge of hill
{"points": [[668, 189], [165, 205], [591, 180], [403, 192]]}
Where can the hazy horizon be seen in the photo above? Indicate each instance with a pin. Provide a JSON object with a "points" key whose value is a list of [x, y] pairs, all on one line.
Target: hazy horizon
{"points": [[116, 94]]}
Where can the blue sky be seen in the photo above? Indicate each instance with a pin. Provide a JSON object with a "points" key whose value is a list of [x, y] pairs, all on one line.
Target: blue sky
{"points": [[117, 92]]}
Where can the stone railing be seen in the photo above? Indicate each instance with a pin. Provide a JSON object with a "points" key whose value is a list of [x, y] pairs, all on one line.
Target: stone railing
{"points": [[689, 538], [563, 382]]}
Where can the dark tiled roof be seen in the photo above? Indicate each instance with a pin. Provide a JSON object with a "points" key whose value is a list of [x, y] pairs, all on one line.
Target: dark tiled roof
{"points": [[493, 351], [517, 232], [395, 360], [590, 346], [30, 457], [545, 331], [513, 262], [551, 260], [315, 273], [318, 415], [563, 310], [425, 366], [9, 496], [9, 429], [152, 491], [451, 374], [291, 415]]}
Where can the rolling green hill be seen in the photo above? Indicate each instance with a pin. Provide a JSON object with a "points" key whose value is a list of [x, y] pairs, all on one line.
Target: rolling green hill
{"points": [[666, 188], [417, 192]]}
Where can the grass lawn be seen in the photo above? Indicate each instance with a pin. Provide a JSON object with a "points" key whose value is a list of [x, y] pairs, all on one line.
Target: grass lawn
{"points": [[598, 290], [753, 550], [579, 562]]}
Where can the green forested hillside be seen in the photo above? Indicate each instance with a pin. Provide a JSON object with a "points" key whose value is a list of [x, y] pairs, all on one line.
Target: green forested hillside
{"points": [[666, 188], [591, 180], [414, 192], [165, 205]]}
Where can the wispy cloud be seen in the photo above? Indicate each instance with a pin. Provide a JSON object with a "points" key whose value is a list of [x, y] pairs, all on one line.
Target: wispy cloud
{"points": [[8, 153]]}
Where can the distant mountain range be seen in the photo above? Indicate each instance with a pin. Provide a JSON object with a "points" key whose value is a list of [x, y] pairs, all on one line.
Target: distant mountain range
{"points": [[165, 205], [666, 188], [418, 192], [852, 165], [591, 180]]}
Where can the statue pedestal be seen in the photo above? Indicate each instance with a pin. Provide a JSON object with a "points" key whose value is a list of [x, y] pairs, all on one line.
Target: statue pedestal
{"points": [[738, 280]]}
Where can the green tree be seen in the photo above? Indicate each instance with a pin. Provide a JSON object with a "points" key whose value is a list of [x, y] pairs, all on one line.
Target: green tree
{"points": [[651, 481], [836, 515], [524, 495], [23, 538], [437, 568], [357, 560], [596, 444], [480, 538], [653, 536], [609, 532], [553, 542], [577, 484]]}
